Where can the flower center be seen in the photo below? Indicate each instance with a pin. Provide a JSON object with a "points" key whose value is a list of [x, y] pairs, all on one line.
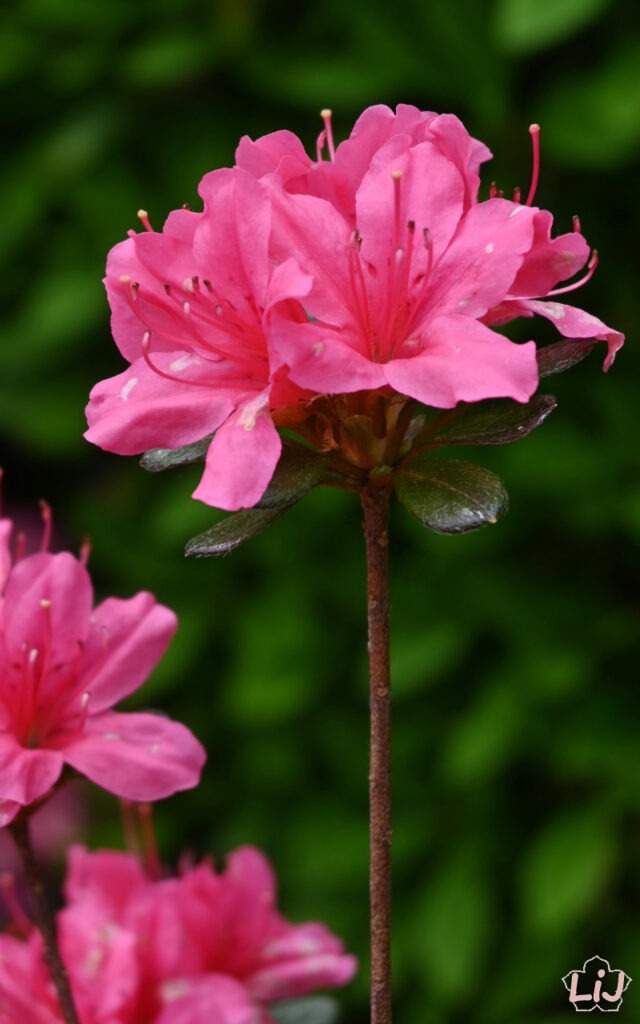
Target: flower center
{"points": [[44, 700], [387, 306]]}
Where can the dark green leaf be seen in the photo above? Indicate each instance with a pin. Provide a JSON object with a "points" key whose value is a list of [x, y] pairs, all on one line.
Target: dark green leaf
{"points": [[314, 1010], [562, 355], [496, 421], [450, 496], [158, 459], [298, 470], [233, 531]]}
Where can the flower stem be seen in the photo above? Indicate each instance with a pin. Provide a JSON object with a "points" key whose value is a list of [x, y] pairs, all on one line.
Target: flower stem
{"points": [[44, 918], [375, 505]]}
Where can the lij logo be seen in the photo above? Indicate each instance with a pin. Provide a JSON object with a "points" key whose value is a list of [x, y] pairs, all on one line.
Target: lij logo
{"points": [[596, 986]]}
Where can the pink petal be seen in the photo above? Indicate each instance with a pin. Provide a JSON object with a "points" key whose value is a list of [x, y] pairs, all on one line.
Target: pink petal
{"points": [[233, 236], [301, 975], [437, 207], [211, 999], [302, 940], [265, 155], [464, 361], [375, 126], [26, 774], [454, 141], [249, 868], [108, 878], [576, 323], [61, 625], [103, 964], [126, 328], [139, 410], [322, 360], [137, 756], [126, 641], [137, 295], [479, 266], [241, 458], [321, 240], [288, 281], [549, 260], [182, 224]]}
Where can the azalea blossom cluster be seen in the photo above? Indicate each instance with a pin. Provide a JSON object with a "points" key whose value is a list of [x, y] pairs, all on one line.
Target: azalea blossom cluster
{"points": [[63, 666], [199, 948], [332, 297]]}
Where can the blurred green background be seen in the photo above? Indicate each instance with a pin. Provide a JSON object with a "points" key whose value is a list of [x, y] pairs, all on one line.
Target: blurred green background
{"points": [[517, 715]]}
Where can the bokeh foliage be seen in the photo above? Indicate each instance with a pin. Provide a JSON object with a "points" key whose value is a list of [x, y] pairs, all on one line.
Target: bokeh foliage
{"points": [[517, 717]]}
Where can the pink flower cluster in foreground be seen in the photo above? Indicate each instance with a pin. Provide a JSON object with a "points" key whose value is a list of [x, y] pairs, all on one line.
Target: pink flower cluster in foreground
{"points": [[201, 948], [63, 665], [376, 272]]}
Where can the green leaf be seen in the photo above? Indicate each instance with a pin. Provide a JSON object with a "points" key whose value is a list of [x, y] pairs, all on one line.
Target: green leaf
{"points": [[315, 1010], [526, 25], [450, 496], [562, 355], [298, 470], [567, 869], [496, 421], [158, 459], [233, 531]]}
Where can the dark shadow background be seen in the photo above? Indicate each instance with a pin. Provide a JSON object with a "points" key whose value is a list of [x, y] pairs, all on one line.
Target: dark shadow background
{"points": [[517, 715]]}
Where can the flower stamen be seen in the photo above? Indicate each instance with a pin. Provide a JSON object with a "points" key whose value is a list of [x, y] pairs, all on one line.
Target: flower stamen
{"points": [[143, 216], [146, 355], [45, 512], [591, 269], [326, 116], [534, 132]]}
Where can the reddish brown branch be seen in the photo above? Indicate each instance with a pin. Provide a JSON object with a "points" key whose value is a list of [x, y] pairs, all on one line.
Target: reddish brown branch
{"points": [[375, 505]]}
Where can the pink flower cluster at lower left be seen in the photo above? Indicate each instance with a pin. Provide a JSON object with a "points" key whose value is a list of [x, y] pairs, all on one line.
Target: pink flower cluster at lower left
{"points": [[200, 948]]}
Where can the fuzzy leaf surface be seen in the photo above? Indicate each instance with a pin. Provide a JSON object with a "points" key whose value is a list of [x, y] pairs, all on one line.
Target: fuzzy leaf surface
{"points": [[451, 496]]}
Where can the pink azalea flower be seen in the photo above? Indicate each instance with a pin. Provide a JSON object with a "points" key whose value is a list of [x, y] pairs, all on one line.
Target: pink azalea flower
{"points": [[409, 270], [374, 273], [194, 930], [202, 948], [64, 665], [190, 311]]}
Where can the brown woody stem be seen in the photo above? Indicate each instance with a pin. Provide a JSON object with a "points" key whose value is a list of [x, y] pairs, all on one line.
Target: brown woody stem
{"points": [[44, 918], [375, 505]]}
